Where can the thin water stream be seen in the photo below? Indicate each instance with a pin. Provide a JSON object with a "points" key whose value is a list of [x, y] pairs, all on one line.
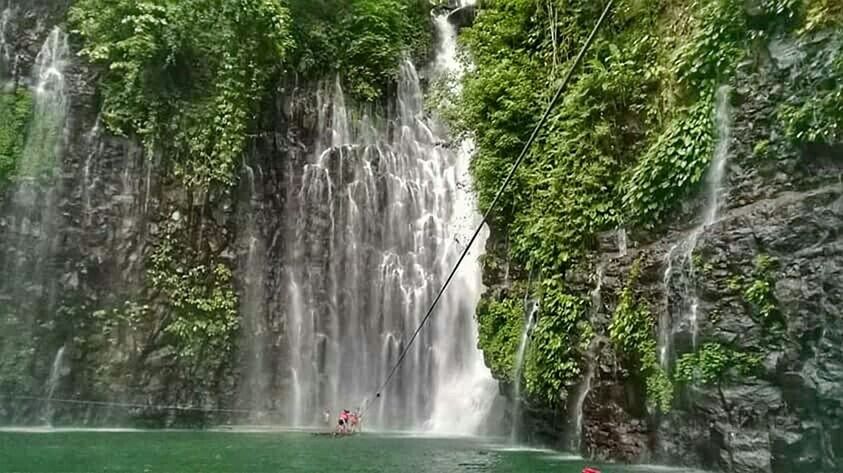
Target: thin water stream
{"points": [[679, 262]]}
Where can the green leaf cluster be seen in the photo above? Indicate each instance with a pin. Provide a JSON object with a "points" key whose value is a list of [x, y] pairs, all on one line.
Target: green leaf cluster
{"points": [[189, 77], [714, 363], [757, 289], [671, 167], [361, 41], [16, 110], [814, 113], [200, 304], [500, 324], [186, 76], [553, 359], [632, 332]]}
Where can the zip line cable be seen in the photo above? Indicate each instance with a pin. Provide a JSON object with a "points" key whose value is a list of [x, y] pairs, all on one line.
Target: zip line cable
{"points": [[500, 192]]}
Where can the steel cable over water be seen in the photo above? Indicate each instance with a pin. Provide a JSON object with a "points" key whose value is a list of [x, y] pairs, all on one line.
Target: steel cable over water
{"points": [[500, 192]]}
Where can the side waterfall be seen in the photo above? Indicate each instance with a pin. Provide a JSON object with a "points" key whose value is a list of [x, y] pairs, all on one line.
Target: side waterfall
{"points": [[531, 310], [255, 388], [5, 48], [383, 211], [56, 373], [29, 226], [680, 255]]}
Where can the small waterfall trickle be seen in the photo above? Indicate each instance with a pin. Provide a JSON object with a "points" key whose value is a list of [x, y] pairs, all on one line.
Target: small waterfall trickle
{"points": [[623, 243], [57, 371], [531, 310], [254, 387], [679, 262], [5, 47], [596, 297]]}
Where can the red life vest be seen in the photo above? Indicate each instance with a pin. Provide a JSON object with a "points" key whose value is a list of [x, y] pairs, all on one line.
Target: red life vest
{"points": [[588, 469]]}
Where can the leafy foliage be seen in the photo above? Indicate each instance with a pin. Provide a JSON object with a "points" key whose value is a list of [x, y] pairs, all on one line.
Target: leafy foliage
{"points": [[632, 333], [634, 134], [189, 77], [814, 114], [675, 163], [714, 363], [362, 41], [552, 360], [192, 71], [201, 305], [16, 108], [500, 325]]}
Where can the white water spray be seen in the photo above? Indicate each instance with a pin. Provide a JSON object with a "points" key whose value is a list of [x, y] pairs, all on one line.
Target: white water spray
{"points": [[689, 303], [57, 371], [383, 214]]}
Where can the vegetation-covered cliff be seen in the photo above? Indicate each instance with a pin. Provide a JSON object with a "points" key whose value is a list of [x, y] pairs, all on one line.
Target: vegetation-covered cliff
{"points": [[708, 135]]}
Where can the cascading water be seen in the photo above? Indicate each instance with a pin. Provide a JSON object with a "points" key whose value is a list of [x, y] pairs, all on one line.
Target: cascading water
{"points": [[56, 373], [683, 251], [531, 310], [5, 48], [382, 214], [30, 215], [596, 297], [623, 244], [254, 388]]}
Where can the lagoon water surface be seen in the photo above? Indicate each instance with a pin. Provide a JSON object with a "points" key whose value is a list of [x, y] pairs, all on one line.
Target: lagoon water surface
{"points": [[66, 451]]}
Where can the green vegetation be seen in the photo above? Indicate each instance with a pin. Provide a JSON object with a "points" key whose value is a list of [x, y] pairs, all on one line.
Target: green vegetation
{"points": [[553, 359], [201, 306], [757, 289], [714, 363], [632, 332], [189, 77], [500, 325], [814, 114], [632, 138], [16, 110]]}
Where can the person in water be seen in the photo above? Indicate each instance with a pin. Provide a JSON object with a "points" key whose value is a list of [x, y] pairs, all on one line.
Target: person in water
{"points": [[354, 422], [342, 423]]}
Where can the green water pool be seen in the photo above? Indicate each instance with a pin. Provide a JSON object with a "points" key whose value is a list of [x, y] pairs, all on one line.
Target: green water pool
{"points": [[66, 451]]}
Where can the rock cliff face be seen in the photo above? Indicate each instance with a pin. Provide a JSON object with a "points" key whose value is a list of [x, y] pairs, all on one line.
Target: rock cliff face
{"points": [[110, 205], [782, 209]]}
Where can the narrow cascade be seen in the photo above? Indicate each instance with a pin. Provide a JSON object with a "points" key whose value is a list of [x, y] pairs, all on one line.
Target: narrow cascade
{"points": [[382, 213], [596, 297], [56, 373], [531, 310], [623, 244], [5, 48], [679, 260], [254, 388], [28, 237]]}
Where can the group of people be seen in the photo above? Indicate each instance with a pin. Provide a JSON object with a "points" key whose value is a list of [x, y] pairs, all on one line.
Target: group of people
{"points": [[348, 422]]}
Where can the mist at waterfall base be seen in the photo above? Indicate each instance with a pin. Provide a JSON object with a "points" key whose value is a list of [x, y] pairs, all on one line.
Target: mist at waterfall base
{"points": [[382, 211]]}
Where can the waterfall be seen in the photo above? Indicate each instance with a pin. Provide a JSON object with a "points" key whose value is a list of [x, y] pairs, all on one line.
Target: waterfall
{"points": [[56, 373], [5, 48], [382, 213], [531, 310], [623, 244], [683, 251], [28, 239], [254, 387], [596, 296]]}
